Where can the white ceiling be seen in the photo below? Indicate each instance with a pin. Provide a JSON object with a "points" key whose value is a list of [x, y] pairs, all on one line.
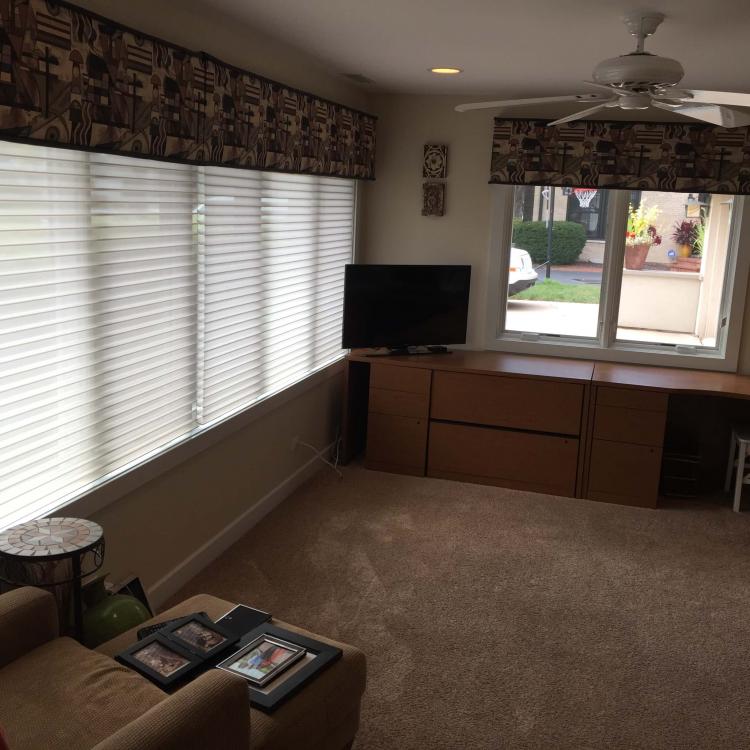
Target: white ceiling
{"points": [[509, 48]]}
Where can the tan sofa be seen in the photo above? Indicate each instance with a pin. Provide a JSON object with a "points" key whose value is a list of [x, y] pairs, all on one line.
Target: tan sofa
{"points": [[58, 695]]}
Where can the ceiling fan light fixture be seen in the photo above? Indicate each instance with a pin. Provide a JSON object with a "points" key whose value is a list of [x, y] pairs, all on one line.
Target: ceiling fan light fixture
{"points": [[446, 71], [634, 101], [641, 80], [638, 70]]}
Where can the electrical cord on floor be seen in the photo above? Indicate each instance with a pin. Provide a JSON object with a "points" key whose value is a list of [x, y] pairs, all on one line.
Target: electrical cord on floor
{"points": [[333, 465]]}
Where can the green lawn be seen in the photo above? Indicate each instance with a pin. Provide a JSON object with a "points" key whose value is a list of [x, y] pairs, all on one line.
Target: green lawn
{"points": [[553, 291]]}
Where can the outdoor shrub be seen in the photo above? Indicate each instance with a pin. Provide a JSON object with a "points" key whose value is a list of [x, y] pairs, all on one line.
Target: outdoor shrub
{"points": [[568, 239]]}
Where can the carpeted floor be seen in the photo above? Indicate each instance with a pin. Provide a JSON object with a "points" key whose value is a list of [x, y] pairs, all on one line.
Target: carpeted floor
{"points": [[501, 619]]}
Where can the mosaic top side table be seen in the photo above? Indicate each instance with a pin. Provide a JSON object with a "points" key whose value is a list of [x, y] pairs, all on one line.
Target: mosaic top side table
{"points": [[54, 553]]}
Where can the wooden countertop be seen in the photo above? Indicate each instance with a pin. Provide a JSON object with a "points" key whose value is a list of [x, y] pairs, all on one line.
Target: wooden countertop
{"points": [[671, 379], [488, 363], [668, 379]]}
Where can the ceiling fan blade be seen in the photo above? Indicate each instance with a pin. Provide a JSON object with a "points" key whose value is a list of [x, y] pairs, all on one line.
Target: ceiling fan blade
{"points": [[726, 117], [696, 96], [585, 112], [523, 102]]}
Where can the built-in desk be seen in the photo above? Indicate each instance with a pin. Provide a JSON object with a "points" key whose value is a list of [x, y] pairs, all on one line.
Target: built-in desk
{"points": [[671, 379], [561, 426]]}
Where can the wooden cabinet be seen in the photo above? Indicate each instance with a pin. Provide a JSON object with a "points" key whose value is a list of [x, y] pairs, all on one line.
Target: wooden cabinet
{"points": [[396, 444], [520, 420], [626, 447], [625, 473], [520, 460], [629, 425], [397, 419], [520, 403]]}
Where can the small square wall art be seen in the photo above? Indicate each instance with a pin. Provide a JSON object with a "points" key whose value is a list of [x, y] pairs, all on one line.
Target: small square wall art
{"points": [[435, 164], [433, 199]]}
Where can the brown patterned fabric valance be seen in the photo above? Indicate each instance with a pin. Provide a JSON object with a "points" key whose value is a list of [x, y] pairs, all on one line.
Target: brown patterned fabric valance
{"points": [[71, 78], [679, 157]]}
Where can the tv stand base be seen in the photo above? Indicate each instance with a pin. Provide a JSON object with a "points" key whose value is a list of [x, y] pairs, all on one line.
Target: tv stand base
{"points": [[411, 351]]}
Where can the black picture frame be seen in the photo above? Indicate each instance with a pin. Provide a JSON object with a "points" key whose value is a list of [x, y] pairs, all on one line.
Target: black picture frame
{"points": [[129, 657], [170, 631], [284, 686], [241, 619]]}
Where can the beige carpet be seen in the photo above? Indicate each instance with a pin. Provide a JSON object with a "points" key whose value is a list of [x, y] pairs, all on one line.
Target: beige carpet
{"points": [[501, 619]]}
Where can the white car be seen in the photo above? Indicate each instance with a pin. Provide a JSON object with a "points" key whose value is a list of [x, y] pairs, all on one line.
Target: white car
{"points": [[521, 274]]}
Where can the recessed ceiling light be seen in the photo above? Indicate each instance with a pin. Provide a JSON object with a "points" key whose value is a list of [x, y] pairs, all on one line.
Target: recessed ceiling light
{"points": [[446, 71]]}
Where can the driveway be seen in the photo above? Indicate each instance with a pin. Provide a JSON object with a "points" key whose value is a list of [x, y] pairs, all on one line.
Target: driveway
{"points": [[572, 275]]}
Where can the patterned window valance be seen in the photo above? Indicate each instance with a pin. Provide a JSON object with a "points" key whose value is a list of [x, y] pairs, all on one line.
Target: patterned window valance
{"points": [[71, 78], [636, 155]]}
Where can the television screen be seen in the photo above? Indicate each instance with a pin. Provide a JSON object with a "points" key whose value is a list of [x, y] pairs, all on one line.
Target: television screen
{"points": [[399, 306]]}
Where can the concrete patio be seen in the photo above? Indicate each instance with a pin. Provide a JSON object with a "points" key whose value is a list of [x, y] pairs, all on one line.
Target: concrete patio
{"points": [[576, 319]]}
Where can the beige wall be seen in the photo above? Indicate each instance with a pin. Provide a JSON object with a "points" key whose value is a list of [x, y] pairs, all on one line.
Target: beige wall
{"points": [[155, 528], [393, 231]]}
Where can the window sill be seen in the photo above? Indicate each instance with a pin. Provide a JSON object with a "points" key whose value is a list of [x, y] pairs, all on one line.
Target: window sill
{"points": [[618, 352], [663, 274], [128, 480]]}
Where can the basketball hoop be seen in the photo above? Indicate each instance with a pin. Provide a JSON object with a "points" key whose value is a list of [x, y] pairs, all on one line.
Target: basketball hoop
{"points": [[585, 196]]}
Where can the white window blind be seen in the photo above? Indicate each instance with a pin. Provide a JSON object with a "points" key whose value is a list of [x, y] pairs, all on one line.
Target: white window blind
{"points": [[274, 251], [141, 300]]}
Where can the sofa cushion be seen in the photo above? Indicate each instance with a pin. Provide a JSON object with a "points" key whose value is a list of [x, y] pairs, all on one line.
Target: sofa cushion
{"points": [[62, 695], [324, 715]]}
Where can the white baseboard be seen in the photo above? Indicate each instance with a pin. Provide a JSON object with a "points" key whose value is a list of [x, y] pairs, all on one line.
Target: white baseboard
{"points": [[167, 585]]}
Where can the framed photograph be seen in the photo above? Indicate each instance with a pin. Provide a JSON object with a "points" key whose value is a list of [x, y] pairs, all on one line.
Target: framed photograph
{"points": [[263, 659], [296, 673], [161, 660], [200, 635]]}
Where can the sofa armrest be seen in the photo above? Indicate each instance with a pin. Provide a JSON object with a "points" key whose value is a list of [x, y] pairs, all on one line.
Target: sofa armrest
{"points": [[210, 713], [28, 618]]}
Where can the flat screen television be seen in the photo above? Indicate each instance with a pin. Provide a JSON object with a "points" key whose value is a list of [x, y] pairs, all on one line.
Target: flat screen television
{"points": [[401, 306]]}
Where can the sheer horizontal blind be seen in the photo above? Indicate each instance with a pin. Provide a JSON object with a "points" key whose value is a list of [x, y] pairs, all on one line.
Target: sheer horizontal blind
{"points": [[274, 251], [141, 301]]}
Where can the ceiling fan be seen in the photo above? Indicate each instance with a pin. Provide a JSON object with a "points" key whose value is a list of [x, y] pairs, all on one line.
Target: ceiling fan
{"points": [[641, 80]]}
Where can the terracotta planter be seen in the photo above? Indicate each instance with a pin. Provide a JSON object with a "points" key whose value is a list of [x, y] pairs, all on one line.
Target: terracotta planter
{"points": [[635, 256], [688, 264], [684, 251]]}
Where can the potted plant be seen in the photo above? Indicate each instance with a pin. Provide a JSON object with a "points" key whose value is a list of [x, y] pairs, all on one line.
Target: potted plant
{"points": [[640, 235], [685, 234]]}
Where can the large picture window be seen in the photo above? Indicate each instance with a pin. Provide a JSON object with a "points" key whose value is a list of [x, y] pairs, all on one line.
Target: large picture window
{"points": [[646, 274], [143, 301]]}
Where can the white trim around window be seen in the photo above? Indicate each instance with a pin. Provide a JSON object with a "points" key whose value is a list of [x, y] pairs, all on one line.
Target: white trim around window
{"points": [[604, 346]]}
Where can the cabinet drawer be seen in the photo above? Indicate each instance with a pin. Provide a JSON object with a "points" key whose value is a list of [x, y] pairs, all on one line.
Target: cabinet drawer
{"points": [[632, 398], [396, 444], [521, 403], [400, 378], [399, 403], [629, 425], [539, 463], [624, 473]]}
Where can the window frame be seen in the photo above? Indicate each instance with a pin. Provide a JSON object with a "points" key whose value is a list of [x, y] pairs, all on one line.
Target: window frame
{"points": [[605, 346]]}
